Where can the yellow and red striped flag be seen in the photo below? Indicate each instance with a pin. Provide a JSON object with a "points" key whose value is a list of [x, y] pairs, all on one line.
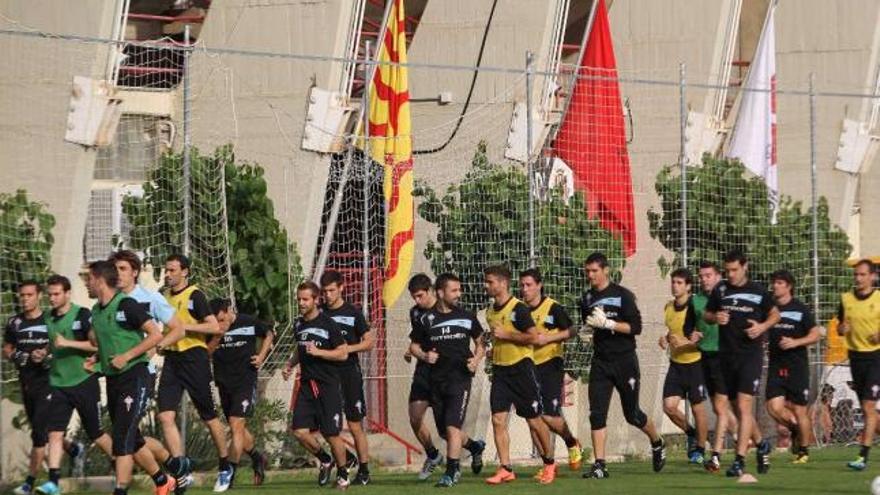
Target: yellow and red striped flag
{"points": [[391, 145]]}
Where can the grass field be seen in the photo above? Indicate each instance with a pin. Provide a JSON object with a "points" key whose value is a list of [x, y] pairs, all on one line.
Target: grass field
{"points": [[826, 473]]}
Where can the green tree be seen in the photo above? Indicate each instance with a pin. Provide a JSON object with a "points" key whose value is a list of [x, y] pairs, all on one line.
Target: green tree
{"points": [[726, 209], [25, 253], [263, 260]]}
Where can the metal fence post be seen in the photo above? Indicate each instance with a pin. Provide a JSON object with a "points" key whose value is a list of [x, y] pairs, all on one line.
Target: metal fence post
{"points": [[368, 163], [530, 169], [814, 202], [187, 185], [682, 159]]}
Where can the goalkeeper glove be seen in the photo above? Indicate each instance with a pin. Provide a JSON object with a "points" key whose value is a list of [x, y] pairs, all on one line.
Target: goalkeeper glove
{"points": [[21, 358], [598, 319]]}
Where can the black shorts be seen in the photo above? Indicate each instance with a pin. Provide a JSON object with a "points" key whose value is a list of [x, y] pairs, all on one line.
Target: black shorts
{"points": [[449, 401], [516, 385], [551, 379], [685, 381], [621, 373], [36, 394], [189, 370], [742, 373], [713, 376], [238, 399], [420, 389], [790, 380], [865, 369], [318, 407], [352, 383], [127, 398], [83, 397]]}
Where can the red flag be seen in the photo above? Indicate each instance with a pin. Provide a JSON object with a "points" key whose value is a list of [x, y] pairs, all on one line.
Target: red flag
{"points": [[592, 138]]}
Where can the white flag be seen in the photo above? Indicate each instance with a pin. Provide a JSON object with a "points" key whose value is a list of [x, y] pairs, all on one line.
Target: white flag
{"points": [[754, 134]]}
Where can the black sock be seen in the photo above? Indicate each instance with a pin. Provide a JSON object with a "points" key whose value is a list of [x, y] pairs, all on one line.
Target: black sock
{"points": [[224, 464], [658, 443], [864, 451], [120, 491], [324, 457], [432, 452], [452, 466], [364, 467], [600, 463], [54, 475], [716, 454], [159, 478], [234, 466], [31, 480], [690, 431], [254, 455], [570, 441], [740, 459], [469, 444], [350, 456], [803, 450], [548, 461], [507, 467], [176, 466], [342, 472]]}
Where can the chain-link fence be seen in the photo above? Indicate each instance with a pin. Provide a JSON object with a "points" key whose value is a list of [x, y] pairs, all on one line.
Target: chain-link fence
{"points": [[237, 159]]}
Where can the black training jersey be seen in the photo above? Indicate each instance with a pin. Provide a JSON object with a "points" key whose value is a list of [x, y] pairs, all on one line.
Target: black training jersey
{"points": [[81, 325], [748, 302], [325, 334], [417, 316], [619, 305], [27, 335], [232, 358], [797, 321], [449, 335], [352, 323]]}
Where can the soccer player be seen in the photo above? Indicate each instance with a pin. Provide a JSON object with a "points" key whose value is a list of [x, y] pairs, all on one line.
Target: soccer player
{"points": [[788, 372], [236, 363], [684, 380], [859, 316], [514, 382], [123, 333], [447, 334], [422, 291], [610, 311], [25, 343], [188, 367], [73, 387], [321, 349], [744, 311], [554, 327], [359, 338], [706, 336]]}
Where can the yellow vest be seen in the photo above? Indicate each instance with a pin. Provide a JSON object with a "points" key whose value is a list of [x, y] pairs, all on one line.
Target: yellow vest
{"points": [[180, 303], [506, 353], [541, 314], [675, 320], [864, 320]]}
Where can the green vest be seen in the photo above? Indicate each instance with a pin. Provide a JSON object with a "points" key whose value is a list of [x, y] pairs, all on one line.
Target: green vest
{"points": [[709, 342], [113, 339], [67, 364]]}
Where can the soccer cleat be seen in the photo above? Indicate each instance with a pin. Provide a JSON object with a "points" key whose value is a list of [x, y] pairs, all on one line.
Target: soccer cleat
{"points": [[539, 474], [597, 471], [696, 457], [324, 472], [342, 482], [736, 469], [712, 464], [691, 445], [167, 488], [362, 478], [224, 480], [658, 456], [48, 488], [762, 455], [259, 466], [575, 457], [429, 466], [801, 458], [548, 474], [446, 481], [182, 483], [23, 489], [351, 461], [501, 476], [477, 456], [857, 465]]}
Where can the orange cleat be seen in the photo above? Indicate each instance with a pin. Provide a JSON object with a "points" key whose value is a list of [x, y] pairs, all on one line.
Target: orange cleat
{"points": [[167, 488], [501, 476], [548, 475], [575, 457]]}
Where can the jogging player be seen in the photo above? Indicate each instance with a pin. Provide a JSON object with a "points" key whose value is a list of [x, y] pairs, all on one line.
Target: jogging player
{"points": [[706, 337], [447, 334], [788, 372], [123, 333], [684, 380], [236, 363], [73, 387], [422, 291], [187, 366], [514, 382], [610, 312], [859, 316], [554, 327], [359, 338], [318, 405], [744, 311]]}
